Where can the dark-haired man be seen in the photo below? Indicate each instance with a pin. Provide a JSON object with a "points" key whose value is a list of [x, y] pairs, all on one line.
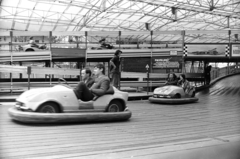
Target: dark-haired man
{"points": [[115, 68], [99, 88], [86, 76], [104, 45], [32, 42]]}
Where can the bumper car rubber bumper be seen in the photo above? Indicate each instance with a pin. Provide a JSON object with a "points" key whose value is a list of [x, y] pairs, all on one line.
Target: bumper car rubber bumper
{"points": [[34, 117], [173, 101]]}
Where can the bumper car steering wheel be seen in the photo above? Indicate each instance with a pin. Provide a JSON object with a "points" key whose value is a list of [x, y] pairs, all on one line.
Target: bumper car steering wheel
{"points": [[62, 81]]}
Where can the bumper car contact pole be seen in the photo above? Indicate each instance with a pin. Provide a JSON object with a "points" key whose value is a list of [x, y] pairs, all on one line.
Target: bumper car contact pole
{"points": [[147, 68]]}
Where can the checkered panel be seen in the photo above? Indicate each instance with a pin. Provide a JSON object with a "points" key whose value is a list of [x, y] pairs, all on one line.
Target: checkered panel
{"points": [[227, 51], [185, 52]]}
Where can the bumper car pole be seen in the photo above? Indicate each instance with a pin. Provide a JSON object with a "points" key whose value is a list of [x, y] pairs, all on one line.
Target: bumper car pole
{"points": [[29, 73], [147, 68]]}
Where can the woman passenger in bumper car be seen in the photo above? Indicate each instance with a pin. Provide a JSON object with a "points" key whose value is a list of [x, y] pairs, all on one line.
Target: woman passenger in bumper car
{"points": [[184, 83], [172, 79]]}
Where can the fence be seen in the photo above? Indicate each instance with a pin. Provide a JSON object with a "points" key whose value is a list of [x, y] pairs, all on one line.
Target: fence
{"points": [[143, 79], [220, 72]]}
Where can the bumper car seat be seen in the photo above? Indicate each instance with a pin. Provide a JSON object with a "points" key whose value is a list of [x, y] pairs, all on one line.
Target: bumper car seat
{"points": [[89, 104]]}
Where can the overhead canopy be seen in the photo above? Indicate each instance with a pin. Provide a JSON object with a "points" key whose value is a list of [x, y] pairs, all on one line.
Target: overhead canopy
{"points": [[124, 15]]}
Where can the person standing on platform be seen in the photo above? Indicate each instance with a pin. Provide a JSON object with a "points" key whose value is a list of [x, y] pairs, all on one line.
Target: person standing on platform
{"points": [[207, 73], [115, 63], [87, 77]]}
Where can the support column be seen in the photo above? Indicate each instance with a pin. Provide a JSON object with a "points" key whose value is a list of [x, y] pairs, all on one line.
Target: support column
{"points": [[20, 75], [120, 72], [183, 43], [151, 69], [11, 49], [119, 39], [192, 68], [228, 22], [50, 62], [228, 68], [86, 44]]}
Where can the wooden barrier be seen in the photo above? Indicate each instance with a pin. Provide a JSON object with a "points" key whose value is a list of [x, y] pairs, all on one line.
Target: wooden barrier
{"points": [[39, 70], [154, 80], [31, 33], [143, 80], [25, 56], [60, 71], [75, 53], [117, 46], [76, 72], [142, 84], [13, 69], [68, 33], [67, 53], [55, 71], [143, 76], [196, 77], [133, 52], [207, 32]]}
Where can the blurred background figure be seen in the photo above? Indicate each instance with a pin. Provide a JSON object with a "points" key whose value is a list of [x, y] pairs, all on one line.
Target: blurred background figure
{"points": [[104, 45], [32, 42], [207, 73]]}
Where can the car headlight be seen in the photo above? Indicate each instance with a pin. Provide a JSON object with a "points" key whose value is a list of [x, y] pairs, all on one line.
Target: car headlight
{"points": [[161, 96], [20, 104]]}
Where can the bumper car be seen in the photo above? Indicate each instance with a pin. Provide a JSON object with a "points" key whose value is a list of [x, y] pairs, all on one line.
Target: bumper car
{"points": [[59, 104], [33, 47], [172, 94]]}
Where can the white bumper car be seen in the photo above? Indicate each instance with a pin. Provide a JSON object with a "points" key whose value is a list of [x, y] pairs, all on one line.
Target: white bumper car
{"points": [[60, 104], [31, 47], [172, 94]]}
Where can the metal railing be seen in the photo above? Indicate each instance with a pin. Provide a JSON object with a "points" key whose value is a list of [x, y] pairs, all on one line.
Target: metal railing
{"points": [[224, 71]]}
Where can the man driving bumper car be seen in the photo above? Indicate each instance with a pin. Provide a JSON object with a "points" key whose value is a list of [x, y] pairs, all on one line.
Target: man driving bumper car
{"points": [[100, 87]]}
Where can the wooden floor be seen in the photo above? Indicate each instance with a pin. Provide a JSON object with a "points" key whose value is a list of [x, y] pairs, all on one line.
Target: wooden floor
{"points": [[154, 131]]}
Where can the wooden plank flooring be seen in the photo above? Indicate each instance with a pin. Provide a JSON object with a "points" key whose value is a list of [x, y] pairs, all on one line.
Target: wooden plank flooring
{"points": [[153, 131]]}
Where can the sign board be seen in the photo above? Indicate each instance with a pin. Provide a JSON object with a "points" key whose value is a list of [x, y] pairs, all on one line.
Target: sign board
{"points": [[206, 50], [169, 62], [173, 52], [236, 50]]}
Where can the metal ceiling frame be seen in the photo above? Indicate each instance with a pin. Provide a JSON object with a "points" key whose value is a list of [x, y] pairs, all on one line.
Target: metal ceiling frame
{"points": [[107, 15]]}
